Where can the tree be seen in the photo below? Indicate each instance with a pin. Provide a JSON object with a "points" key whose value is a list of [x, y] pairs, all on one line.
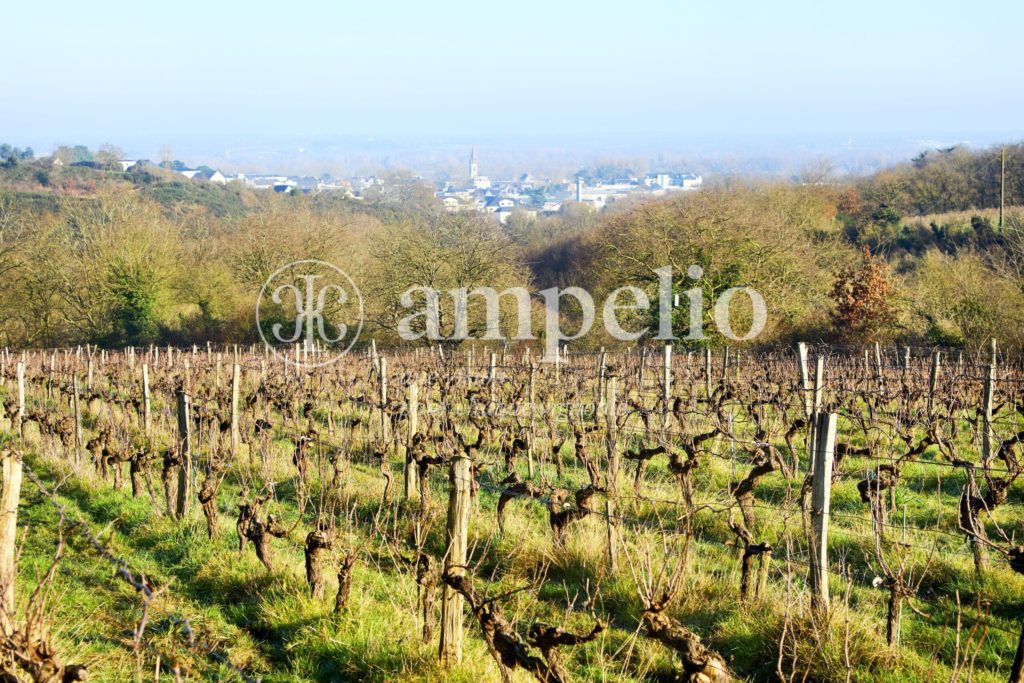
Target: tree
{"points": [[963, 300], [863, 311], [72, 155], [767, 238], [133, 289], [442, 252], [10, 156], [108, 155]]}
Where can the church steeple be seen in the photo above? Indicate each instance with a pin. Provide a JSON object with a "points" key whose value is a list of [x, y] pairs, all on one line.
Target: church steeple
{"points": [[472, 163]]}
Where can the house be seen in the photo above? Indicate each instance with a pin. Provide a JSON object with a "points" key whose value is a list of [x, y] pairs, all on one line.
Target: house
{"points": [[335, 186], [264, 182], [690, 181], [306, 183], [127, 163], [213, 177]]}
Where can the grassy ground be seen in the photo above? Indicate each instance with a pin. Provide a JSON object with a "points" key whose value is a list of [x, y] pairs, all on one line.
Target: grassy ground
{"points": [[267, 625]]}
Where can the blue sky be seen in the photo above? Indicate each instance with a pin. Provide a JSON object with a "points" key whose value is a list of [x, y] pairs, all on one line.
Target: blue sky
{"points": [[90, 72]]}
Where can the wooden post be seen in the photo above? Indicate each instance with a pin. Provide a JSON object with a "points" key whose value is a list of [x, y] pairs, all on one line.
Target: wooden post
{"points": [[185, 451], [878, 362], [383, 362], [533, 434], [236, 387], [666, 385], [611, 408], [78, 419], [821, 494], [456, 538], [819, 379], [707, 371], [492, 380], [613, 470], [805, 380], [986, 435], [411, 469], [9, 497], [147, 418], [1017, 668], [20, 418], [48, 384], [933, 380]]}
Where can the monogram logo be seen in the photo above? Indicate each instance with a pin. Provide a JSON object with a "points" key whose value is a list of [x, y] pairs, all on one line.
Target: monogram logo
{"points": [[309, 311]]}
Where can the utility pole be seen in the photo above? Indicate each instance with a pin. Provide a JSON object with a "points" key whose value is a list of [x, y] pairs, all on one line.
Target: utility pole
{"points": [[1002, 184]]}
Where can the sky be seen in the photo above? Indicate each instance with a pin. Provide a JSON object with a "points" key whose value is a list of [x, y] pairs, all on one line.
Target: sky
{"points": [[138, 72]]}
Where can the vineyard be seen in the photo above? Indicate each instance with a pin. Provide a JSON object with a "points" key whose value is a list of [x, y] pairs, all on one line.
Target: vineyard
{"points": [[473, 514]]}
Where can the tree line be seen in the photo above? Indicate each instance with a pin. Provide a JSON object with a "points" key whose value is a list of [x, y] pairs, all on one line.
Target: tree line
{"points": [[913, 254]]}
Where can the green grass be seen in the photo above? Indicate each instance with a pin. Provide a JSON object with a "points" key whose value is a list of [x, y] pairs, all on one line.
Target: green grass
{"points": [[267, 624]]}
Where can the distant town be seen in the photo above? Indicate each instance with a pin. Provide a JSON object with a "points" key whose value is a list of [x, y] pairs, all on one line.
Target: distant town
{"points": [[545, 195], [477, 192]]}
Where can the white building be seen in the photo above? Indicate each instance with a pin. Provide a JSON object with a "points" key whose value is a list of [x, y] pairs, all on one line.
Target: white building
{"points": [[691, 181]]}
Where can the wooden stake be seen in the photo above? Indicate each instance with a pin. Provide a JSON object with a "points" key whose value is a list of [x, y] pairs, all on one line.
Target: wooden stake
{"points": [[411, 469], [986, 435], [20, 418], [236, 386], [533, 433], [613, 470], [147, 418], [9, 497], [933, 379], [821, 495], [666, 385], [805, 380], [457, 538], [185, 451], [78, 419]]}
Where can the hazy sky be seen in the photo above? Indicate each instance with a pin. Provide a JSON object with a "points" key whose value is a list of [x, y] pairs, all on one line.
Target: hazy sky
{"points": [[89, 72]]}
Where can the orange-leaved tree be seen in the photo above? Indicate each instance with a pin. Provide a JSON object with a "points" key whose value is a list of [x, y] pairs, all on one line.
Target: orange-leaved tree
{"points": [[863, 298]]}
